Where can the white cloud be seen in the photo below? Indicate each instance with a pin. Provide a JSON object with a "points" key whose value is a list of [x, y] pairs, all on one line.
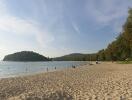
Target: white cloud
{"points": [[44, 38], [2, 7], [20, 26], [75, 27], [23, 27], [15, 25], [106, 11]]}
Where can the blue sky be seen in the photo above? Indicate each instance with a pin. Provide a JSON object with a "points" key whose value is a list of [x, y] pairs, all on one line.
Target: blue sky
{"points": [[57, 27]]}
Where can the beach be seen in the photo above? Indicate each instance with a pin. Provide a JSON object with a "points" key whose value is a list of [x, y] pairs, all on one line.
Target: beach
{"points": [[105, 81]]}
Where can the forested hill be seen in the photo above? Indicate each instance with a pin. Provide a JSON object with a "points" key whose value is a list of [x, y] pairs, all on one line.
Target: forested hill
{"points": [[76, 57], [121, 48], [70, 57], [25, 56]]}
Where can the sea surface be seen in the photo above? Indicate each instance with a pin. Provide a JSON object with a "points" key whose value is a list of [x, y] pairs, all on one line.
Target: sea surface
{"points": [[14, 69]]}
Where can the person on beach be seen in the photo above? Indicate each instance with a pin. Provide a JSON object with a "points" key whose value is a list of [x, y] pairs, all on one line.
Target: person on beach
{"points": [[26, 69], [73, 66], [47, 69]]}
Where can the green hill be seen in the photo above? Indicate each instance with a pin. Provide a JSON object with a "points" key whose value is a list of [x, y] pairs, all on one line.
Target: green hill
{"points": [[25, 56], [76, 57]]}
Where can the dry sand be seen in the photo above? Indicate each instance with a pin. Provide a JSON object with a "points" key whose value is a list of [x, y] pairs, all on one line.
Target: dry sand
{"points": [[106, 81]]}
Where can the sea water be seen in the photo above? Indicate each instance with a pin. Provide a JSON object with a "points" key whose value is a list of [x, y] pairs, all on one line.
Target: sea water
{"points": [[14, 69]]}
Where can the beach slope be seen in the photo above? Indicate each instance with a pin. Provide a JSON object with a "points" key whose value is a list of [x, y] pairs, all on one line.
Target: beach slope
{"points": [[109, 81]]}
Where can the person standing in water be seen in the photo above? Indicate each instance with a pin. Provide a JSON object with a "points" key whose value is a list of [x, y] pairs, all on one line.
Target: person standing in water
{"points": [[47, 69]]}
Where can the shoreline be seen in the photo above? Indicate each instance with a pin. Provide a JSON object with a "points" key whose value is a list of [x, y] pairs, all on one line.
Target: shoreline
{"points": [[44, 70], [102, 81]]}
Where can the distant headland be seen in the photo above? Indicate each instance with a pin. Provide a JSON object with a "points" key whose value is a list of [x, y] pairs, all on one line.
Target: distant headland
{"points": [[25, 56]]}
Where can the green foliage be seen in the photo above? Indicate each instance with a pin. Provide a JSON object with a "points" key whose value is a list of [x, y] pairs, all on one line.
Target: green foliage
{"points": [[121, 48], [125, 62], [77, 57], [71, 57], [25, 56]]}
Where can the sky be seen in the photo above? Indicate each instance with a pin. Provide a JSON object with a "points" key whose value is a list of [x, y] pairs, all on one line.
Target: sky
{"points": [[57, 27]]}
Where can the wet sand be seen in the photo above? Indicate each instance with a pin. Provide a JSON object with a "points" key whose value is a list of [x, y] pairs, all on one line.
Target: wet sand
{"points": [[105, 81]]}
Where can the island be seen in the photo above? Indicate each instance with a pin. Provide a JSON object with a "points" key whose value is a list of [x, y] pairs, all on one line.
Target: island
{"points": [[25, 56]]}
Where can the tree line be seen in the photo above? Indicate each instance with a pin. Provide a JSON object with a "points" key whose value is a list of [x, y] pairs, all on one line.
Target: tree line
{"points": [[121, 48]]}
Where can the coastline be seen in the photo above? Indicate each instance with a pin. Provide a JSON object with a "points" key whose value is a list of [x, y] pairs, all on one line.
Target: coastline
{"points": [[102, 81], [26, 69]]}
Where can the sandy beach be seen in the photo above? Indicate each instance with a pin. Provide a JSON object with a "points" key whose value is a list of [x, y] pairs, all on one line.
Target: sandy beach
{"points": [[105, 81]]}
